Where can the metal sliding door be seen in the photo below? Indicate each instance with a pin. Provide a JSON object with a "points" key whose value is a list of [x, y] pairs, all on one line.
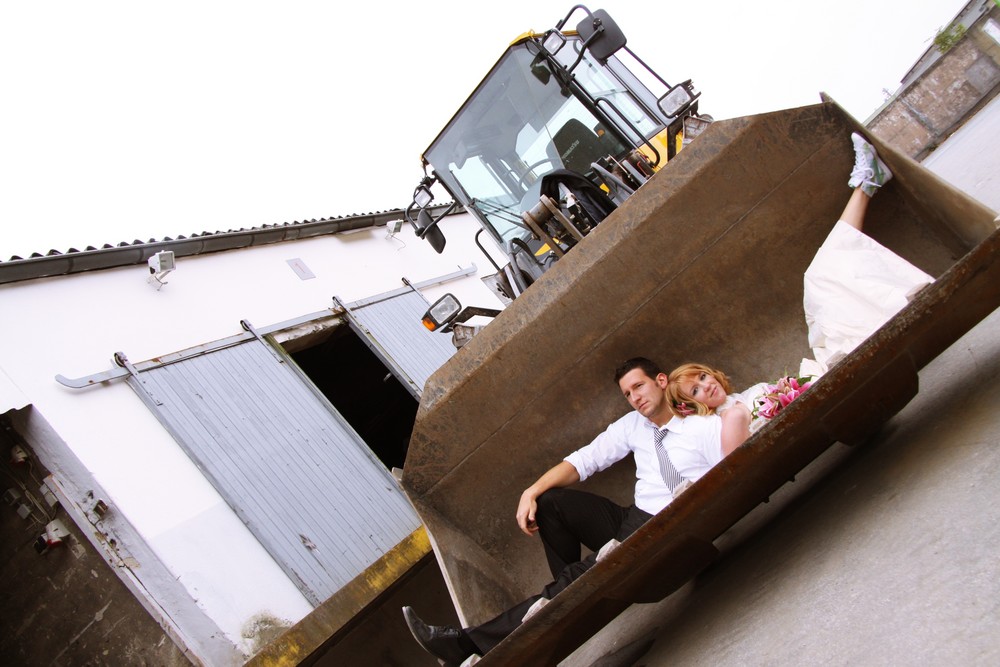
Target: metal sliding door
{"points": [[284, 459], [390, 324]]}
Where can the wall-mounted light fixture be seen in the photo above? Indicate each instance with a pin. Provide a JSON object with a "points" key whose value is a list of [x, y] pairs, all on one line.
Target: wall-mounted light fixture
{"points": [[160, 265]]}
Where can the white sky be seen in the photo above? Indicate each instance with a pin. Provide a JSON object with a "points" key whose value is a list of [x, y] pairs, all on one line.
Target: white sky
{"points": [[134, 120]]}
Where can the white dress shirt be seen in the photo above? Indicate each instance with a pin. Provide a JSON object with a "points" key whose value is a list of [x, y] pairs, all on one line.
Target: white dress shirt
{"points": [[633, 433], [697, 446]]}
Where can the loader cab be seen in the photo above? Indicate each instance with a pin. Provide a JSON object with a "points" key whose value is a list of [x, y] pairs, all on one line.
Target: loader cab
{"points": [[562, 105]]}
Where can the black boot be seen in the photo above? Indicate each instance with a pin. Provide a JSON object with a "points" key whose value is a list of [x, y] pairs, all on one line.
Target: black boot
{"points": [[441, 641]]}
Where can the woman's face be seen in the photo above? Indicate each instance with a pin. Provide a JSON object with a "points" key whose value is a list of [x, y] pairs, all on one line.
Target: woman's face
{"points": [[705, 389]]}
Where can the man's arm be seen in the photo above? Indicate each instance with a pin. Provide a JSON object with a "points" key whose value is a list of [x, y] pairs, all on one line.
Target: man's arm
{"points": [[561, 474]]}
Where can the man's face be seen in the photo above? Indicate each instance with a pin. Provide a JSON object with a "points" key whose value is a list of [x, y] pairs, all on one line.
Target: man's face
{"points": [[643, 393]]}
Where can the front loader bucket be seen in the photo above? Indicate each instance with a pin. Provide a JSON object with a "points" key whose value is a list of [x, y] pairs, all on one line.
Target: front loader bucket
{"points": [[703, 263]]}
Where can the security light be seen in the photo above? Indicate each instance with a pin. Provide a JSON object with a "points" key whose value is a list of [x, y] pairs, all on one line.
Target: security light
{"points": [[160, 265]]}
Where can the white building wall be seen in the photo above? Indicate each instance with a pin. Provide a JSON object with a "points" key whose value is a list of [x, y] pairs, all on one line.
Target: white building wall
{"points": [[969, 160], [72, 325]]}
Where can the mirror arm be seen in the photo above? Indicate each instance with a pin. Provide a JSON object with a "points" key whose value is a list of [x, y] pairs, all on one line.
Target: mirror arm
{"points": [[434, 221], [406, 214], [573, 9], [471, 311], [646, 67], [583, 48]]}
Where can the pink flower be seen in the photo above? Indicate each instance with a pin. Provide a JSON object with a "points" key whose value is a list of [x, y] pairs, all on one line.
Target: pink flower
{"points": [[778, 396], [769, 408]]}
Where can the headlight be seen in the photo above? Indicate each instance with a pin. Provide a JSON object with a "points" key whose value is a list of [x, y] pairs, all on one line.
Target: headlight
{"points": [[675, 100], [553, 41], [441, 312], [422, 196]]}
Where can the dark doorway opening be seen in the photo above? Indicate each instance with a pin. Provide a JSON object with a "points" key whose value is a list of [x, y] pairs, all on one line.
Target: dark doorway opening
{"points": [[372, 400]]}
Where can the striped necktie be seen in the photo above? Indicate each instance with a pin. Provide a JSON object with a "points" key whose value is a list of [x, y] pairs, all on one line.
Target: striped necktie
{"points": [[670, 475]]}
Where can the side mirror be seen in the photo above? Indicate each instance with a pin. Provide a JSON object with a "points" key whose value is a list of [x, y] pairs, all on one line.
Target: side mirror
{"points": [[601, 34], [442, 312], [425, 226], [427, 229]]}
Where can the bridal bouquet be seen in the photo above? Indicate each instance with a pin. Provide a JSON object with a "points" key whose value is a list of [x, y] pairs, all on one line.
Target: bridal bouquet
{"points": [[775, 397]]}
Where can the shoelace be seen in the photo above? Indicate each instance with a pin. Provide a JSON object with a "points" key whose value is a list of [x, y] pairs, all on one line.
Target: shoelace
{"points": [[862, 169]]}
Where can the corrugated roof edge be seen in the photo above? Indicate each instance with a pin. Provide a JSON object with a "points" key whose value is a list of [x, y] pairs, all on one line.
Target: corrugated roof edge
{"points": [[56, 263]]}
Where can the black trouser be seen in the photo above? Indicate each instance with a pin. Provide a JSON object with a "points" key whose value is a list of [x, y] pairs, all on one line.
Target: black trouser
{"points": [[566, 519]]}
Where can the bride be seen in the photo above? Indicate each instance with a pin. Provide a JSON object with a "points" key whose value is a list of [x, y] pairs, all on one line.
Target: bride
{"points": [[851, 288]]}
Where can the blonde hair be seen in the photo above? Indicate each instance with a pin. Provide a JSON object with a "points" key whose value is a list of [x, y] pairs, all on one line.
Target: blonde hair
{"points": [[681, 403]]}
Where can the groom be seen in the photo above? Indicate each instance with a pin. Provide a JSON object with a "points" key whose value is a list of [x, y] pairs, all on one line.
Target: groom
{"points": [[566, 518]]}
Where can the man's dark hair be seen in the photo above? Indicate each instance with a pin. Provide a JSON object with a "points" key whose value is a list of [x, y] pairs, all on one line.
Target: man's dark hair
{"points": [[649, 367]]}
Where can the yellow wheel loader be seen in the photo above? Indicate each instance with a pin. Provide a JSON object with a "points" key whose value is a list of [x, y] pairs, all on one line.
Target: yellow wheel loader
{"points": [[564, 128], [700, 260]]}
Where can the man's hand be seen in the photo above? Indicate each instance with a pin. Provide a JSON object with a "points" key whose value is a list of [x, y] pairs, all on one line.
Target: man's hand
{"points": [[526, 513], [561, 474]]}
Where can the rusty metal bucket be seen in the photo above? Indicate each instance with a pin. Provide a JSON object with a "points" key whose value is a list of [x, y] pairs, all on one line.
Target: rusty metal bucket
{"points": [[704, 263]]}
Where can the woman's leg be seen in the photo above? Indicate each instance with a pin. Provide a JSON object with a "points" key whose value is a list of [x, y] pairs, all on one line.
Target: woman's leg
{"points": [[854, 212], [869, 174]]}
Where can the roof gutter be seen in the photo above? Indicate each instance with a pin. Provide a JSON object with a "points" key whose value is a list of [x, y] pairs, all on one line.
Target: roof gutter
{"points": [[125, 254]]}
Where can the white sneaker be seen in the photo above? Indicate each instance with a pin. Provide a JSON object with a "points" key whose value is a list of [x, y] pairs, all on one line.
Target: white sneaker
{"points": [[534, 609], [607, 549], [870, 173]]}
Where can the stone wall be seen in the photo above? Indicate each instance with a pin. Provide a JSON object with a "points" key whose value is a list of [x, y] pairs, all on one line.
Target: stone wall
{"points": [[940, 100]]}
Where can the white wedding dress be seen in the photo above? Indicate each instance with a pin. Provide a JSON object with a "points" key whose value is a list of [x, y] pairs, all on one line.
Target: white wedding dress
{"points": [[853, 286]]}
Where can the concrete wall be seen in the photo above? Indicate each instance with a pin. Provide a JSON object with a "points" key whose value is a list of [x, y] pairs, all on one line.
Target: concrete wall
{"points": [[940, 100], [63, 605], [963, 162], [104, 438]]}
